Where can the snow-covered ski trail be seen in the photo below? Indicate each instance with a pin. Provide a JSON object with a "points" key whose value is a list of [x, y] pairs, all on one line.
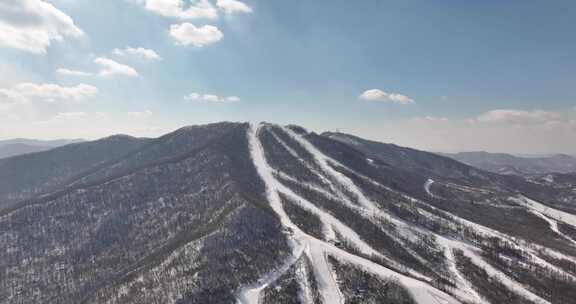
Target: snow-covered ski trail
{"points": [[306, 295], [251, 295], [553, 226], [507, 281], [427, 186], [329, 292], [485, 230], [324, 162], [317, 250], [555, 214], [464, 290]]}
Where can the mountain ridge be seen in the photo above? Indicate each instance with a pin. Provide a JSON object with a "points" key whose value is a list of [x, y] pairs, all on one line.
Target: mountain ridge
{"points": [[253, 213]]}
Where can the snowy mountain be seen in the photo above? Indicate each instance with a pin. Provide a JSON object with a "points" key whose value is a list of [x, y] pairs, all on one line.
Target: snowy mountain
{"points": [[510, 164], [240, 213]]}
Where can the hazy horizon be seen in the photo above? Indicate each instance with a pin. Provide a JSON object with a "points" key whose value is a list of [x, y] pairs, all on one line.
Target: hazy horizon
{"points": [[517, 154]]}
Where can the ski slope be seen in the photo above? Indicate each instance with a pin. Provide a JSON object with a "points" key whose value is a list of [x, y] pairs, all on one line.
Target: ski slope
{"points": [[318, 250]]}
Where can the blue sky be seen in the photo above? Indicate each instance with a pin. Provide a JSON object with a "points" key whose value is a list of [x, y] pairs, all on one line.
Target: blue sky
{"points": [[435, 75]]}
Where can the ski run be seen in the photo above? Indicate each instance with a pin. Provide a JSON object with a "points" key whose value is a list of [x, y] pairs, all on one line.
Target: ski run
{"points": [[317, 250]]}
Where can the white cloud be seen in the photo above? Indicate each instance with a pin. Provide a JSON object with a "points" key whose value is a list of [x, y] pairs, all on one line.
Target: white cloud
{"points": [[507, 116], [140, 114], [9, 97], [232, 99], [379, 95], [66, 118], [110, 67], [432, 119], [32, 25], [233, 6], [68, 72], [211, 98], [138, 52], [188, 34], [177, 9], [25, 92]]}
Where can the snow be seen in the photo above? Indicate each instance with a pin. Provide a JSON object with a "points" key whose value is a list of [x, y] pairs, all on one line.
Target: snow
{"points": [[345, 139], [556, 214], [305, 295], [275, 187], [508, 282], [265, 172], [420, 291], [306, 185], [478, 261], [324, 274], [251, 295], [324, 162], [327, 285], [553, 225], [317, 250], [465, 290], [427, 186]]}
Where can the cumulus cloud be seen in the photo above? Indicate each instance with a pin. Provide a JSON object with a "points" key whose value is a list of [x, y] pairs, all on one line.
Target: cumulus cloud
{"points": [[188, 34], [25, 92], [110, 67], [379, 95], [211, 98], [508, 116], [32, 25], [147, 54], [68, 72], [178, 9], [233, 6], [140, 114]]}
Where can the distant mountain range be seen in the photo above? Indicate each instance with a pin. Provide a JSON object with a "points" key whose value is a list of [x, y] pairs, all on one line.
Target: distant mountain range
{"points": [[232, 213], [510, 164], [18, 146]]}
